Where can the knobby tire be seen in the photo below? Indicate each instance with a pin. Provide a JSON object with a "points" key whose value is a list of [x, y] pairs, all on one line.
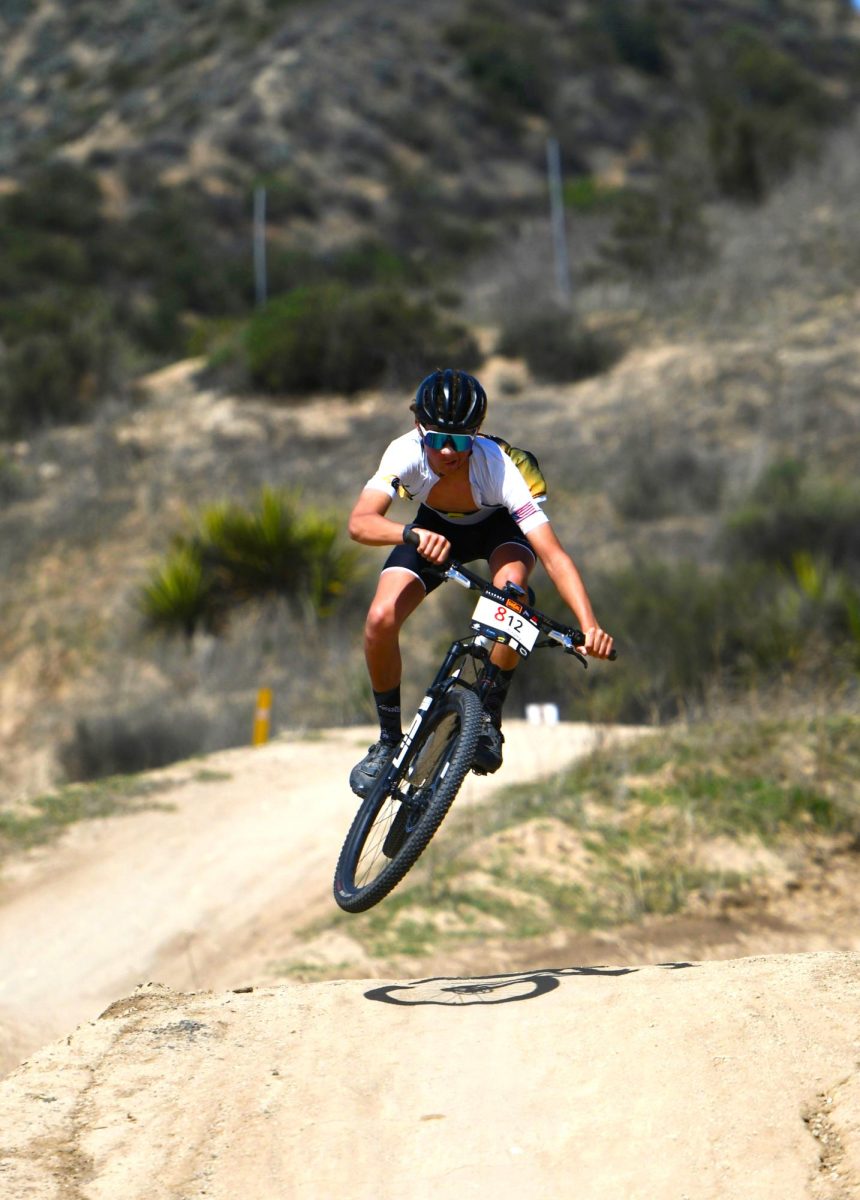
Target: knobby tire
{"points": [[387, 836]]}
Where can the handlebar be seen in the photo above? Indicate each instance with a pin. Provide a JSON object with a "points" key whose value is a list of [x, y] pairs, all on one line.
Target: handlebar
{"points": [[570, 639]]}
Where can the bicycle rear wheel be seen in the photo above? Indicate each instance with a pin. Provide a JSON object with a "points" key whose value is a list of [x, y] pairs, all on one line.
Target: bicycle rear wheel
{"points": [[400, 816]]}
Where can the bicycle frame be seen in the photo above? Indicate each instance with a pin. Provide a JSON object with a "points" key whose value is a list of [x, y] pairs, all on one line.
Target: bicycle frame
{"points": [[477, 646], [402, 811]]}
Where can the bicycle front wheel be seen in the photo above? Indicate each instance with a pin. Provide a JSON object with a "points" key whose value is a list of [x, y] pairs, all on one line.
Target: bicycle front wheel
{"points": [[400, 816]]}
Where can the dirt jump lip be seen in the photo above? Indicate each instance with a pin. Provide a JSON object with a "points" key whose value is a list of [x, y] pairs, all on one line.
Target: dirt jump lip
{"points": [[504, 988], [707, 1080], [710, 1080]]}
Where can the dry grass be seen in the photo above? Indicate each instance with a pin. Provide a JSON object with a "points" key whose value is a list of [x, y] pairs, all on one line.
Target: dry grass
{"points": [[692, 819]]}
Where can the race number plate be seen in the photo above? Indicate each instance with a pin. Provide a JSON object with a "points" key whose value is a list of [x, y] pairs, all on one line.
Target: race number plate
{"points": [[500, 621]]}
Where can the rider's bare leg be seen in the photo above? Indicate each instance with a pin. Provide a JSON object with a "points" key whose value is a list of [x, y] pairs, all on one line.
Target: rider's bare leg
{"points": [[508, 563], [514, 563], [398, 594]]}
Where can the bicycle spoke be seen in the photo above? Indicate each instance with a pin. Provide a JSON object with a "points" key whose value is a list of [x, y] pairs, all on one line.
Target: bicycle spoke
{"points": [[397, 821], [372, 860], [430, 759]]}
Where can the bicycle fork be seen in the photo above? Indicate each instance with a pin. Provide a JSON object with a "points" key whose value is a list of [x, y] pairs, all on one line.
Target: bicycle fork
{"points": [[446, 677]]}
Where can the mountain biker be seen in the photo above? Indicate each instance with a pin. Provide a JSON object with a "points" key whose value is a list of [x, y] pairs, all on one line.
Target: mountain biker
{"points": [[478, 498]]}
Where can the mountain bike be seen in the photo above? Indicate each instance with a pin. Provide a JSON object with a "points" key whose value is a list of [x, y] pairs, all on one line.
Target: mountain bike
{"points": [[400, 815]]}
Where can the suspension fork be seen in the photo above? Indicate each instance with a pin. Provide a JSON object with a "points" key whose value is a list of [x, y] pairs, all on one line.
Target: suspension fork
{"points": [[473, 647], [445, 677]]}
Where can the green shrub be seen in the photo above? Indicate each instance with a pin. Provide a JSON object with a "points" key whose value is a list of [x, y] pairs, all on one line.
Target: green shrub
{"points": [[236, 554], [183, 249], [658, 231], [61, 356], [586, 194], [141, 739], [288, 196], [764, 111], [369, 262], [685, 633], [450, 232], [636, 33], [557, 346], [679, 629], [769, 78], [276, 549], [13, 484], [179, 594], [788, 515], [736, 154], [333, 338], [364, 263], [506, 60], [59, 197], [663, 480], [31, 259]]}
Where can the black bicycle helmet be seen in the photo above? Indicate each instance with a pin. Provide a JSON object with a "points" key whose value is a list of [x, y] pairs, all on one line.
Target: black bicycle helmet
{"points": [[450, 400]]}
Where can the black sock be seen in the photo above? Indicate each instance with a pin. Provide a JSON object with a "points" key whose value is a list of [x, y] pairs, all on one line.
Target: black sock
{"points": [[498, 695], [388, 709]]}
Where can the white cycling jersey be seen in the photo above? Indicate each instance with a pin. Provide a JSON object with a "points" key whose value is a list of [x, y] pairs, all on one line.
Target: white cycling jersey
{"points": [[496, 479]]}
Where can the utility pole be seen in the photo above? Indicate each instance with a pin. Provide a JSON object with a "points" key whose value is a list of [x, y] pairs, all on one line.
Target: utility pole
{"points": [[260, 282], [556, 209]]}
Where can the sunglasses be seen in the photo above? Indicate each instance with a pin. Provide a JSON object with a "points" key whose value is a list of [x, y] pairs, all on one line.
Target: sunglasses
{"points": [[439, 439]]}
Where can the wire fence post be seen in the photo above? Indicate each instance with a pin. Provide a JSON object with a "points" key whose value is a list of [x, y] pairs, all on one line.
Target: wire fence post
{"points": [[260, 281], [556, 208]]}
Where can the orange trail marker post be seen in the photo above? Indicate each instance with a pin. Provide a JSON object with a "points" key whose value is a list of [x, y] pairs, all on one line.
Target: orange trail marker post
{"points": [[262, 716]]}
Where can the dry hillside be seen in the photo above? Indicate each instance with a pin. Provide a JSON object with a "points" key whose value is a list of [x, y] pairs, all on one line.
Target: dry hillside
{"points": [[724, 370], [349, 106]]}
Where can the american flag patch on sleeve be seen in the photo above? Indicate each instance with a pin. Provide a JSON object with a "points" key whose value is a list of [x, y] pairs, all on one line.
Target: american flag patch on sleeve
{"points": [[527, 510]]}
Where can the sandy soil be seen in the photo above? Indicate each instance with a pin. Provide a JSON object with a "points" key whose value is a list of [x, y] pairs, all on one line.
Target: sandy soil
{"points": [[206, 891], [694, 1081], [607, 1076]]}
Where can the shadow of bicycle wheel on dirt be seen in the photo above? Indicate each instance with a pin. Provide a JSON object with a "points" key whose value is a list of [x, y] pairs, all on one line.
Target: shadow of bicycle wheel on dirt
{"points": [[509, 988]]}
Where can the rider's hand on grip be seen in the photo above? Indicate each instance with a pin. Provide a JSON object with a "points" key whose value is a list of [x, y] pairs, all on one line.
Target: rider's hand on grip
{"points": [[432, 546], [598, 643]]}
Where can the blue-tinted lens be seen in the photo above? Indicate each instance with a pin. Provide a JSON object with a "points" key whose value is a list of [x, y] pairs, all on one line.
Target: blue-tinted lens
{"points": [[437, 440]]}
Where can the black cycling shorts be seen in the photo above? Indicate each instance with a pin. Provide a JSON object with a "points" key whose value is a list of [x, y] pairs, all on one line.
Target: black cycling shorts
{"points": [[468, 542]]}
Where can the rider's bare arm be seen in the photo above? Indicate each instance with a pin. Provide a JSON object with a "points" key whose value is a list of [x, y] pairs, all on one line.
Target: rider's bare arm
{"points": [[369, 525], [568, 583]]}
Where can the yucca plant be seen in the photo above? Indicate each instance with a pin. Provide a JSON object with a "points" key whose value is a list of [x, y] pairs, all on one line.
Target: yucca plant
{"points": [[179, 594], [235, 554], [252, 551], [328, 565]]}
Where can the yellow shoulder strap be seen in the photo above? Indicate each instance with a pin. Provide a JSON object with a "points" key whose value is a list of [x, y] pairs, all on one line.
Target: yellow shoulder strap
{"points": [[527, 465]]}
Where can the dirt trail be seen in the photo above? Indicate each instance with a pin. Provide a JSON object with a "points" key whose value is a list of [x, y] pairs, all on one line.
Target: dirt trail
{"points": [[207, 890], [732, 1080], [689, 1081]]}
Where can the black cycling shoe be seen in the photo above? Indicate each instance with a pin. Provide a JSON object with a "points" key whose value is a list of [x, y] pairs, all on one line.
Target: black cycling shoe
{"points": [[365, 774], [488, 752]]}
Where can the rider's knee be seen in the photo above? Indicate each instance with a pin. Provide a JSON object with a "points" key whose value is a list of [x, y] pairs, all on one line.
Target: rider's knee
{"points": [[382, 620], [514, 572]]}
